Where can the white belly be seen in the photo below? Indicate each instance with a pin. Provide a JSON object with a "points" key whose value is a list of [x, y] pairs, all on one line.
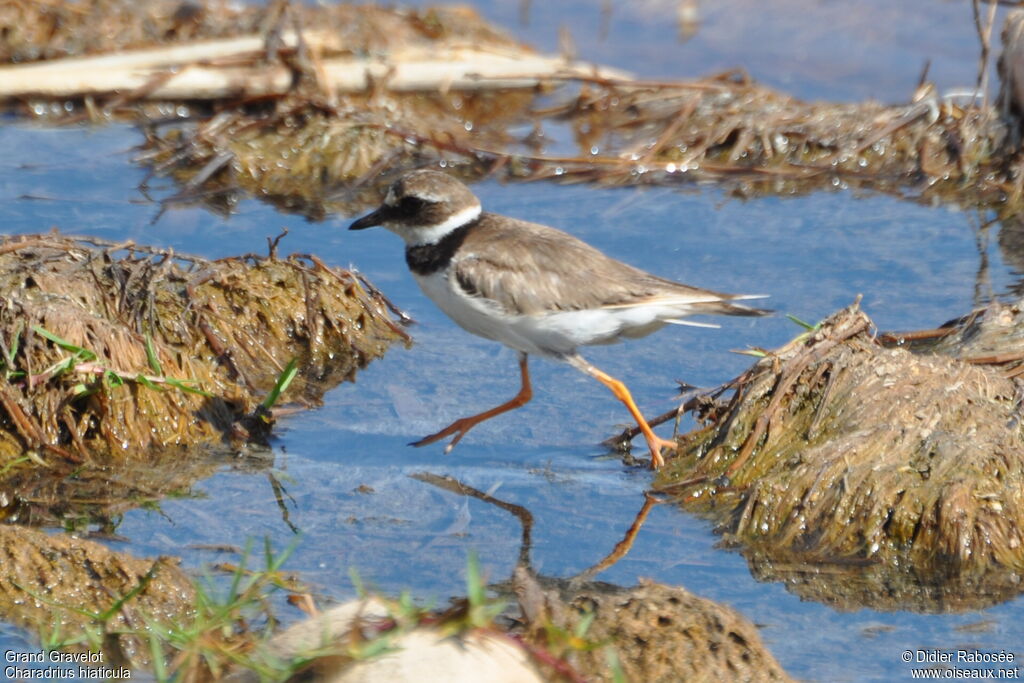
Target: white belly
{"points": [[552, 334], [473, 314]]}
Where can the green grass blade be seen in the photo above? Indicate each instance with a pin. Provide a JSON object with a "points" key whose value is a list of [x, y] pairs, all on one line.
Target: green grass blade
{"points": [[357, 582], [139, 587], [151, 357], [475, 590], [182, 384], [156, 652], [15, 343], [65, 364], [283, 380], [13, 463], [375, 648], [234, 590], [806, 325], [615, 667], [147, 382], [584, 625], [82, 353], [53, 603]]}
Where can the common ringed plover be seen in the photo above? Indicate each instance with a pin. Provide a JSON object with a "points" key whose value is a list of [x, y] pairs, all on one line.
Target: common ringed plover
{"points": [[533, 288]]}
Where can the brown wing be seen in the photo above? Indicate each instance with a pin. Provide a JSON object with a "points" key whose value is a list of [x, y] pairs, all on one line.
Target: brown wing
{"points": [[531, 269]]}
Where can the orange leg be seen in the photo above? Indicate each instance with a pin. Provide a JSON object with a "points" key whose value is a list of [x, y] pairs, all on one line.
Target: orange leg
{"points": [[654, 442], [463, 425]]}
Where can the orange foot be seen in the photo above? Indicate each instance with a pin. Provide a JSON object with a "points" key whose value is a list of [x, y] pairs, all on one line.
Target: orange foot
{"points": [[464, 424], [655, 443], [458, 428]]}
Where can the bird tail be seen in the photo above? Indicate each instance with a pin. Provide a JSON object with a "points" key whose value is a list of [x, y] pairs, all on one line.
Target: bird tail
{"points": [[726, 306]]}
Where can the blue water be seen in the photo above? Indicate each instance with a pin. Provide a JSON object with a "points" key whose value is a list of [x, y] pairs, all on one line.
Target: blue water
{"points": [[916, 267], [825, 49]]}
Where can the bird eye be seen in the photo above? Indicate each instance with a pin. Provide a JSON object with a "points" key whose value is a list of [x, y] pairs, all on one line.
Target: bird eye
{"points": [[411, 205]]}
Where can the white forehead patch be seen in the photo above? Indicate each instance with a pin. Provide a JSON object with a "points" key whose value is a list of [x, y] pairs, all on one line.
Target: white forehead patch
{"points": [[431, 197], [390, 198]]}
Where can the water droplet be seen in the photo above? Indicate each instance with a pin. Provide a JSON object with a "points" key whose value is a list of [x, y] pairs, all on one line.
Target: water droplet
{"points": [[468, 125], [670, 168], [594, 149]]}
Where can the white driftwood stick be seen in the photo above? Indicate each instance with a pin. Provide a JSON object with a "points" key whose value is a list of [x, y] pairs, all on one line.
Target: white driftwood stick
{"points": [[172, 55], [185, 75]]}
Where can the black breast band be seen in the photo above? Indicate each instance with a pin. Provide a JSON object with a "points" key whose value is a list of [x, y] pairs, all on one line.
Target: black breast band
{"points": [[424, 259]]}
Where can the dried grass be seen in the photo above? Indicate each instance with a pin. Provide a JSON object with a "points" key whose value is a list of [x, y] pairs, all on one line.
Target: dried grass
{"points": [[835, 449], [224, 327]]}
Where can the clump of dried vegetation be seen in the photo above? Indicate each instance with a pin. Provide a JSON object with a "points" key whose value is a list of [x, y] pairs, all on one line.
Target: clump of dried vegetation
{"points": [[115, 352], [836, 449], [81, 595]]}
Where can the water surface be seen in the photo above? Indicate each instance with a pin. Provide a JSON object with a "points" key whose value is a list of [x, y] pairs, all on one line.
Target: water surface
{"points": [[345, 466]]}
